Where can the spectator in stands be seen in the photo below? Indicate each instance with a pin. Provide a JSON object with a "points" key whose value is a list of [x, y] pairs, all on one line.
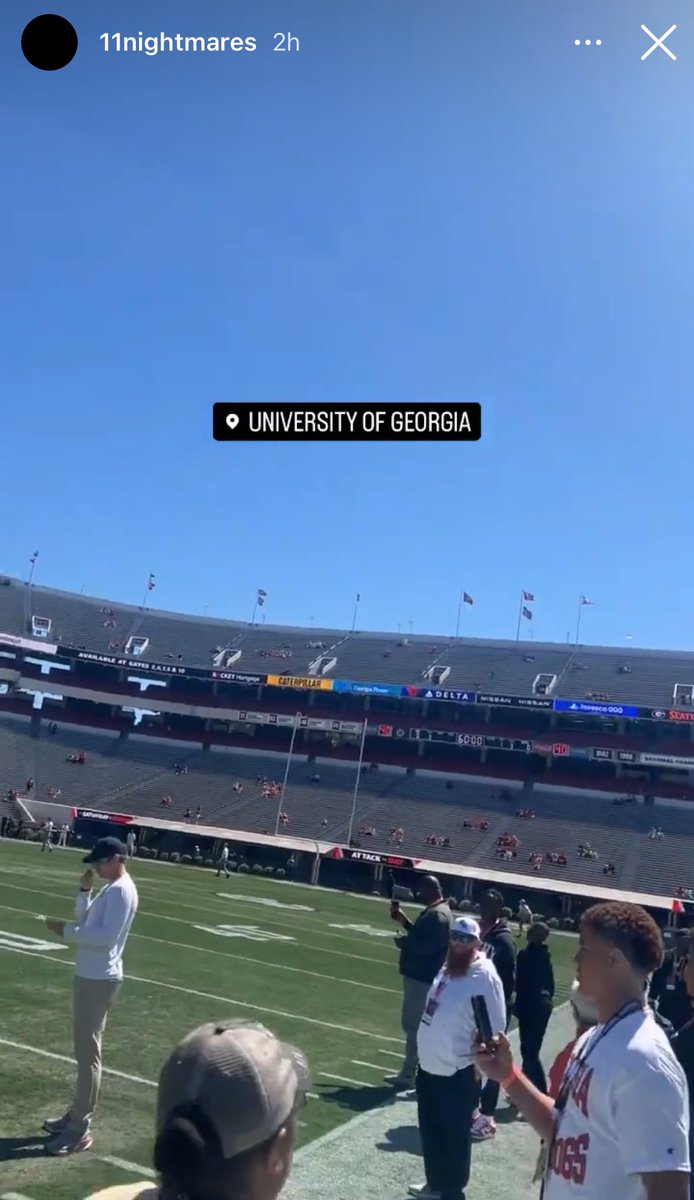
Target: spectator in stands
{"points": [[30, 784], [324, 823], [227, 1117], [533, 1006], [423, 946], [237, 787], [198, 814], [609, 869], [500, 947]]}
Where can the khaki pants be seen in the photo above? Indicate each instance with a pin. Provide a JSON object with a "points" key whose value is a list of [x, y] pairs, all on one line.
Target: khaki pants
{"points": [[414, 996], [92, 999]]}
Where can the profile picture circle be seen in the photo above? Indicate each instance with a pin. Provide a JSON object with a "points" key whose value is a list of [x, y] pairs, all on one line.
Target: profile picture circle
{"points": [[49, 42]]}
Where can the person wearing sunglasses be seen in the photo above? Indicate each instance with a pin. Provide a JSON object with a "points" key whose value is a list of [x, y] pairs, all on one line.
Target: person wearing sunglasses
{"points": [[227, 1105]]}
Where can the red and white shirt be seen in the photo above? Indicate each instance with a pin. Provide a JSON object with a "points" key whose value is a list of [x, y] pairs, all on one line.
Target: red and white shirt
{"points": [[626, 1114]]}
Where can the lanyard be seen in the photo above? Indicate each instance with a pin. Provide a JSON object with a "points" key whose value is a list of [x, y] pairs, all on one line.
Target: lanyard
{"points": [[575, 1065]]}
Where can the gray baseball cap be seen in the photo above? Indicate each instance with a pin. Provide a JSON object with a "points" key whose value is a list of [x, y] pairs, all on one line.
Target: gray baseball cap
{"points": [[244, 1080]]}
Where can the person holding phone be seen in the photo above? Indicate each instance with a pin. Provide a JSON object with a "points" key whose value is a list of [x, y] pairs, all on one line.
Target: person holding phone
{"points": [[465, 1000], [422, 945]]}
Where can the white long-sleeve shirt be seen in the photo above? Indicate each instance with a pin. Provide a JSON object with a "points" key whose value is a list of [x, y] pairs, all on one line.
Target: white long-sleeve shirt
{"points": [[447, 1030], [101, 927]]}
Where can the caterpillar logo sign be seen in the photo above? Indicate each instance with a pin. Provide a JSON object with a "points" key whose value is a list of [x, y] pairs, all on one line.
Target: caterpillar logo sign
{"points": [[304, 683]]}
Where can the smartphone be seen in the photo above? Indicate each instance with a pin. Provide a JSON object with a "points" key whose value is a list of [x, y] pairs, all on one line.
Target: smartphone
{"points": [[481, 1015], [394, 908]]}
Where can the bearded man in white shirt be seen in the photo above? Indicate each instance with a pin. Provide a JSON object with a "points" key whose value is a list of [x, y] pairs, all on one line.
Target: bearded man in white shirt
{"points": [[619, 1125], [447, 1083], [99, 933]]}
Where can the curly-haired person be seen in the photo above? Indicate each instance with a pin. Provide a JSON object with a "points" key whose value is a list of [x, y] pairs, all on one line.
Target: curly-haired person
{"points": [[619, 1127]]}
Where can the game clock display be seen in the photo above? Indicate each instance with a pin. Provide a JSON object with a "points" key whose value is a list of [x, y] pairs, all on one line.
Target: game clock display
{"points": [[472, 741]]}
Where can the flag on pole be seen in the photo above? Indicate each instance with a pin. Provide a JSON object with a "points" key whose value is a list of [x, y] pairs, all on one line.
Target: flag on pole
{"points": [[585, 600], [262, 597], [150, 583], [33, 558], [527, 614], [528, 596], [358, 598], [467, 599]]}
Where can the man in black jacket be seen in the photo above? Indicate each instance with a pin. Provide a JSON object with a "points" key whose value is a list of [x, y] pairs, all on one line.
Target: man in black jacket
{"points": [[499, 945], [668, 990], [423, 947], [533, 1007]]}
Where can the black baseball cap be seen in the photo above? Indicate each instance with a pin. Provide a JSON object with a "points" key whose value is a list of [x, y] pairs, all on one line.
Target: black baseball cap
{"points": [[105, 849]]}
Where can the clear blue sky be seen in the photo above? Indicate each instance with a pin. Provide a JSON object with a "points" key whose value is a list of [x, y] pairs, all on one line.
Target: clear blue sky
{"points": [[433, 199]]}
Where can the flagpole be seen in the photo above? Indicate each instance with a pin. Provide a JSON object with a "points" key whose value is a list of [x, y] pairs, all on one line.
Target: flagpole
{"points": [[356, 783], [520, 614], [354, 614], [286, 772], [144, 598], [460, 609], [578, 617], [255, 609], [32, 563]]}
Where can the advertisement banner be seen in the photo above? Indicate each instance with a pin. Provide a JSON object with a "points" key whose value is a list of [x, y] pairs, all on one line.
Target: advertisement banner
{"points": [[373, 856], [369, 689], [302, 682], [542, 702], [597, 708], [92, 814], [22, 643], [666, 760], [442, 694]]}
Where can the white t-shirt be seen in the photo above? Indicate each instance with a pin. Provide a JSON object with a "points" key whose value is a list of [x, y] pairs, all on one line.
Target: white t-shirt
{"points": [[101, 927], [627, 1114], [446, 1034]]}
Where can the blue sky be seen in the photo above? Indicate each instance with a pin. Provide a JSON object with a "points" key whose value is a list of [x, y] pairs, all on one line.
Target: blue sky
{"points": [[430, 201]]}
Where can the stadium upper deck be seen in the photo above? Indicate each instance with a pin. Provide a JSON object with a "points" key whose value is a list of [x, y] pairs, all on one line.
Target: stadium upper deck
{"points": [[627, 676]]}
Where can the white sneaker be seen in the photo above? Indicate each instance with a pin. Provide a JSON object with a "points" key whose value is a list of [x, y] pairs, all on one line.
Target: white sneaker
{"points": [[483, 1128], [422, 1191]]}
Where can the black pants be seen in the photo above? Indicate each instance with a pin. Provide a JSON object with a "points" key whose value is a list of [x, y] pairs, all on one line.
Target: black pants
{"points": [[445, 1104], [532, 1026], [489, 1096]]}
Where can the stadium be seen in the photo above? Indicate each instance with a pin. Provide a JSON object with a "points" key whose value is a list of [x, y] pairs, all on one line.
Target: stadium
{"points": [[336, 765]]}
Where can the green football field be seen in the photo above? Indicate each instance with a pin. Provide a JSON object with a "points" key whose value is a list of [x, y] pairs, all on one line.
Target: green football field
{"points": [[318, 967]]}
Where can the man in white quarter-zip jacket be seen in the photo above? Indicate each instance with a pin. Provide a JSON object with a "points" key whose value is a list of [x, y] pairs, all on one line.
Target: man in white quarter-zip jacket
{"points": [[99, 933]]}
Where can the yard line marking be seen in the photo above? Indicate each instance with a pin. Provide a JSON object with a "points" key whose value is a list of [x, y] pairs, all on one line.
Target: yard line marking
{"points": [[176, 987], [376, 987], [372, 1066], [65, 1058], [13, 1196], [223, 905], [124, 1165], [390, 1053], [344, 1079], [309, 1096]]}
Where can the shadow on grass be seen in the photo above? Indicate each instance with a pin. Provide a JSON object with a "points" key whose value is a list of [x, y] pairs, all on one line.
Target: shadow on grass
{"points": [[12, 1148], [356, 1099]]}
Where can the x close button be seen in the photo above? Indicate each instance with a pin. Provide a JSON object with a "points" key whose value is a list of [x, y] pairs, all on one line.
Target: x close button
{"points": [[659, 43]]}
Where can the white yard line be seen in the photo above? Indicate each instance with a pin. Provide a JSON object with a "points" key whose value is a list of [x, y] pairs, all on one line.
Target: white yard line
{"points": [[270, 916], [124, 1165], [344, 1079], [372, 1066], [13, 1196], [390, 1053], [66, 1059], [175, 987], [260, 962]]}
